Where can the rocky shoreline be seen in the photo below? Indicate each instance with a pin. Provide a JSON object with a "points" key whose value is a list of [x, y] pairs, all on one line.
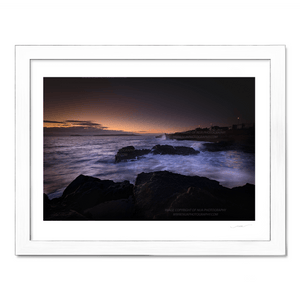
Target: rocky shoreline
{"points": [[154, 196], [220, 139], [131, 153]]}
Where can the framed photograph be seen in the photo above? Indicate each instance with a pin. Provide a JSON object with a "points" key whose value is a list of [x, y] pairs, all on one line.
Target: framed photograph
{"points": [[150, 150]]}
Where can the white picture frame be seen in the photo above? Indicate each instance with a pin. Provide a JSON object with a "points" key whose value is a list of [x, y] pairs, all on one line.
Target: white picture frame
{"points": [[31, 61]]}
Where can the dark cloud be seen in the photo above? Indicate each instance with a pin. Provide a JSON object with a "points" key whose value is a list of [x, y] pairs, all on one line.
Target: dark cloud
{"points": [[75, 121], [83, 123], [78, 123], [47, 121], [80, 130]]}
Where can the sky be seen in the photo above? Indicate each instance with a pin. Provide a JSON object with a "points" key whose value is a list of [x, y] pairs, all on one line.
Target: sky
{"points": [[145, 105]]}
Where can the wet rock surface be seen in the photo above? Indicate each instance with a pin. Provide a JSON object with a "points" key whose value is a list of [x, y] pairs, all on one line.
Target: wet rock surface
{"points": [[130, 153]]}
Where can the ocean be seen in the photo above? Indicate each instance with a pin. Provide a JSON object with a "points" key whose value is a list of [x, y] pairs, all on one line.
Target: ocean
{"points": [[66, 157]]}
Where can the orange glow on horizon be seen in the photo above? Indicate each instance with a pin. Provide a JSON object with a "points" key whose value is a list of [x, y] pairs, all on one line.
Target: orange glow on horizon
{"points": [[134, 128], [118, 124]]}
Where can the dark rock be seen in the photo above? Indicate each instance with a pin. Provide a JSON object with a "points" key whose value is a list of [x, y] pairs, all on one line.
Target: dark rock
{"points": [[243, 202], [92, 191], [180, 150], [167, 149], [68, 215], [130, 153], [46, 205], [155, 192], [127, 149], [197, 203], [169, 196], [119, 190], [219, 146], [50, 206], [86, 192], [156, 196], [229, 145], [163, 149], [122, 209], [198, 198], [81, 184]]}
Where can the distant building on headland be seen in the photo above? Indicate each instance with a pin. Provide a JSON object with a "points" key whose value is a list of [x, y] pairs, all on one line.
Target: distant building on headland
{"points": [[242, 126]]}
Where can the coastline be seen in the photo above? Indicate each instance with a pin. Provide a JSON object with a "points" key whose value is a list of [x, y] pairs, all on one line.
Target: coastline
{"points": [[228, 139]]}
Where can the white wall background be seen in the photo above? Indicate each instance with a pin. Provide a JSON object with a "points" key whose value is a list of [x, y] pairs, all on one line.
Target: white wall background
{"points": [[148, 22]]}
